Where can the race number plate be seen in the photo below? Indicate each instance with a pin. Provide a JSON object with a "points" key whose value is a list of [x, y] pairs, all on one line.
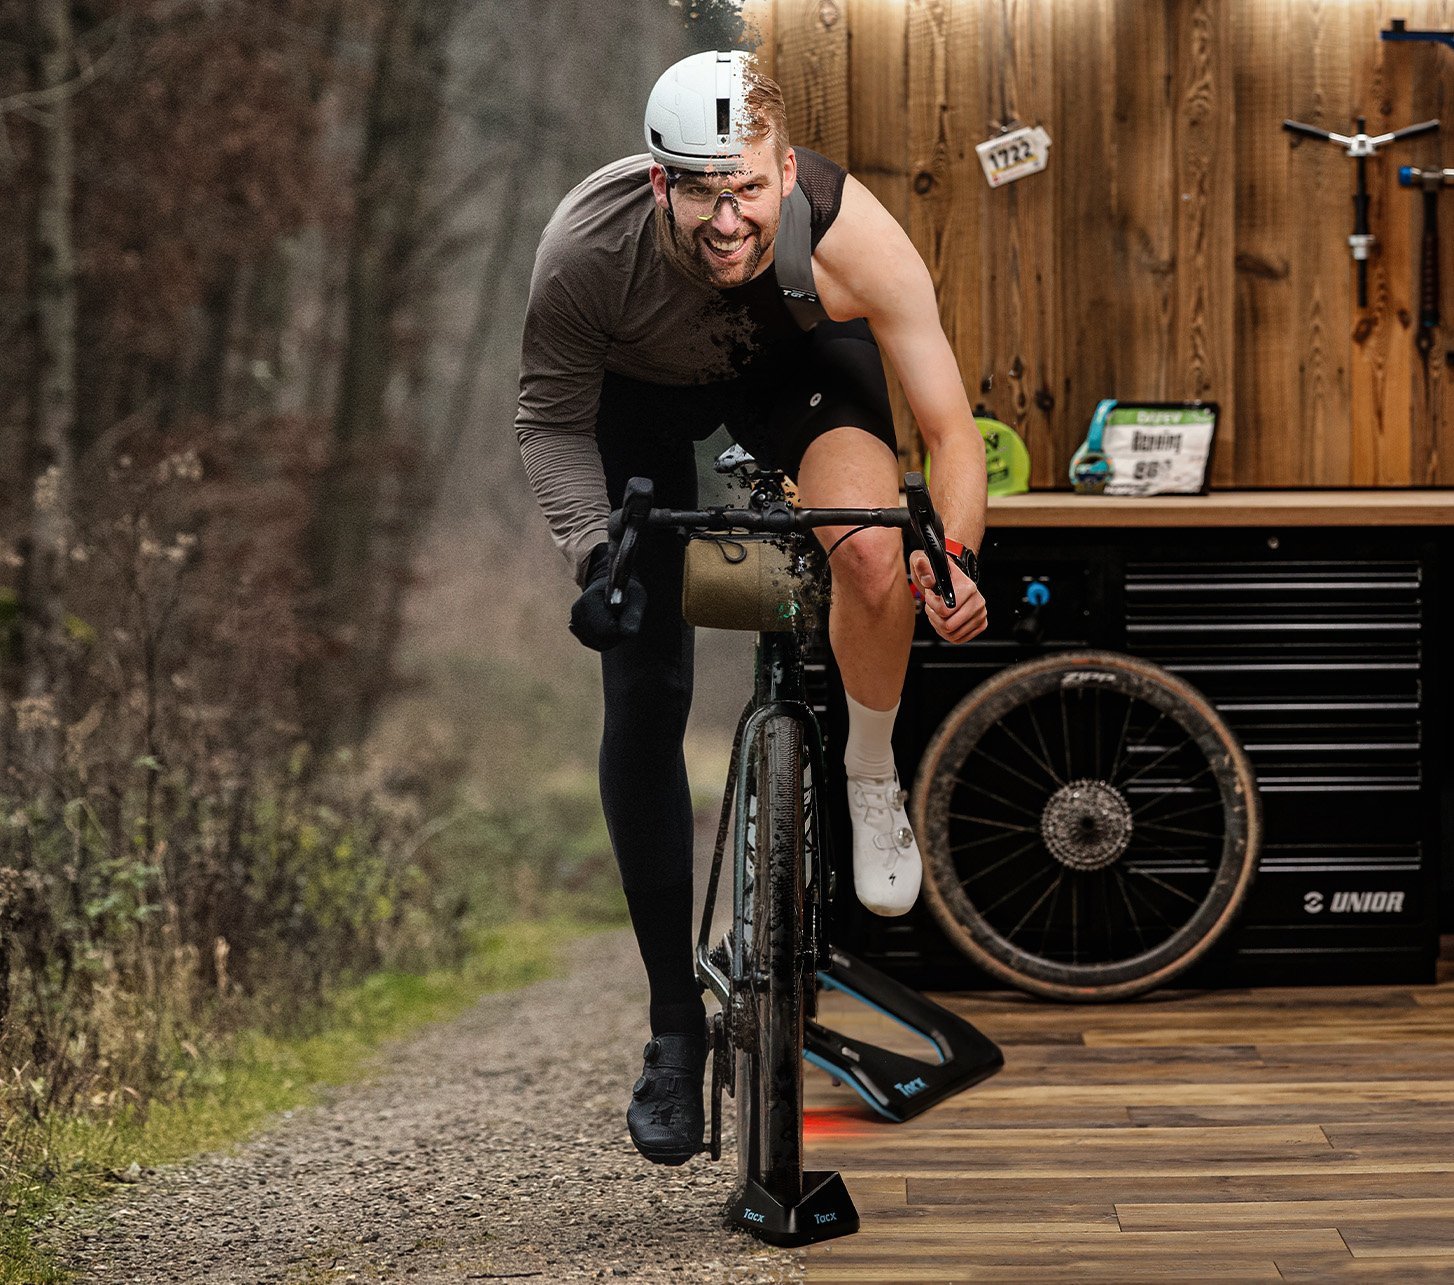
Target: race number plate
{"points": [[1013, 155], [1158, 450]]}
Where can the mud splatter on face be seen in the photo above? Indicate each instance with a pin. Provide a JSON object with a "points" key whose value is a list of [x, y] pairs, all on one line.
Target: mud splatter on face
{"points": [[722, 224]]}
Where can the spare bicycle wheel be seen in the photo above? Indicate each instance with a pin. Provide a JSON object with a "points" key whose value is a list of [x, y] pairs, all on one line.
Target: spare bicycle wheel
{"points": [[1089, 826]]}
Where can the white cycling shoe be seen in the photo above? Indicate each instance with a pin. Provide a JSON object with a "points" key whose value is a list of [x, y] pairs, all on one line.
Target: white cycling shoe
{"points": [[887, 867]]}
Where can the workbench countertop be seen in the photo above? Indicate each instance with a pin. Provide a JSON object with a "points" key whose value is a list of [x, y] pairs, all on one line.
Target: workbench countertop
{"points": [[1226, 509]]}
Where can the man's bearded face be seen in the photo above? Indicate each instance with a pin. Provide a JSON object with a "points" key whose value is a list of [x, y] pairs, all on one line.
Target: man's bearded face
{"points": [[724, 223]]}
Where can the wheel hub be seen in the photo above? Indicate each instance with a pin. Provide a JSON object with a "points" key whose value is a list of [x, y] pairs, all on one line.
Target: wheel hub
{"points": [[1086, 825]]}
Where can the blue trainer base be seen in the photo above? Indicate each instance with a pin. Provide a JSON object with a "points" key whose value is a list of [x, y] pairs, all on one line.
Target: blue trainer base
{"points": [[895, 1086]]}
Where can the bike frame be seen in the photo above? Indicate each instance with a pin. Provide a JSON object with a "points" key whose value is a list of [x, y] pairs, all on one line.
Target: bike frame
{"points": [[778, 690]]}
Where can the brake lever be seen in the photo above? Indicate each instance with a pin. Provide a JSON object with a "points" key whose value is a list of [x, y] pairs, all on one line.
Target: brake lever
{"points": [[929, 531], [631, 520]]}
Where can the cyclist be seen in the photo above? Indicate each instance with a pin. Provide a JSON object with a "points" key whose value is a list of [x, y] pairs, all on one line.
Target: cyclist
{"points": [[655, 316]]}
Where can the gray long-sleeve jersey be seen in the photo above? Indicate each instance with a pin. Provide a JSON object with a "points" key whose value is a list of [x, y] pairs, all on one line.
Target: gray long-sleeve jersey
{"points": [[604, 297]]}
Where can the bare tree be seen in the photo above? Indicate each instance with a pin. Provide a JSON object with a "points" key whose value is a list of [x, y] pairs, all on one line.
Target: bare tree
{"points": [[49, 456], [400, 128]]}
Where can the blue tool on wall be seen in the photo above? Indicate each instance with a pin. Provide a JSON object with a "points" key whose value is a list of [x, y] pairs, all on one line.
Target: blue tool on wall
{"points": [[1398, 30]]}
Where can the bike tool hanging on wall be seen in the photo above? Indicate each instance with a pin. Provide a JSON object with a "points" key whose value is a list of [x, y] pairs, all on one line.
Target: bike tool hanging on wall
{"points": [[1360, 147], [1429, 182]]}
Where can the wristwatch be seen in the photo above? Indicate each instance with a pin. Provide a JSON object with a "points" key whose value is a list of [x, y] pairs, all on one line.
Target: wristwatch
{"points": [[964, 557]]}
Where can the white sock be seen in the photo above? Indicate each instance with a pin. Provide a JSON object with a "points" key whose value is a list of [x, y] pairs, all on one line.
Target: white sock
{"points": [[870, 749]]}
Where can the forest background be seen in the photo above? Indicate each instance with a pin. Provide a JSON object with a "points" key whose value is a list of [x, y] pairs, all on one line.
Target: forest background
{"points": [[286, 696]]}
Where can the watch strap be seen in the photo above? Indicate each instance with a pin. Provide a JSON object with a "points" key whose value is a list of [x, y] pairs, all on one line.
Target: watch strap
{"points": [[964, 556]]}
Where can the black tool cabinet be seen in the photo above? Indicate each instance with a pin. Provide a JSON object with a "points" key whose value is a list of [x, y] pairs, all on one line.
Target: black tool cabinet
{"points": [[1321, 631]]}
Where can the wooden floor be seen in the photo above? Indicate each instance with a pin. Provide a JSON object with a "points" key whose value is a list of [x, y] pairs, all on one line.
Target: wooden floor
{"points": [[1236, 1135]]}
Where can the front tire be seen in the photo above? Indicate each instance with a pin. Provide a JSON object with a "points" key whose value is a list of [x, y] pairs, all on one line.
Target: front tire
{"points": [[770, 1070]]}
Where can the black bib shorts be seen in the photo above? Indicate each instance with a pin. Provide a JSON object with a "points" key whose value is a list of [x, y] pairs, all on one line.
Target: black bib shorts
{"points": [[831, 377]]}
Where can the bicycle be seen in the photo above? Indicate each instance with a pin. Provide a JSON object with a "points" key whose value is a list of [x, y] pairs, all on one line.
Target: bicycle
{"points": [[766, 973]]}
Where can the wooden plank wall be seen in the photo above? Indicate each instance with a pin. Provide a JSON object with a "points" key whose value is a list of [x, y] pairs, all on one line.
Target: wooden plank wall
{"points": [[1181, 244]]}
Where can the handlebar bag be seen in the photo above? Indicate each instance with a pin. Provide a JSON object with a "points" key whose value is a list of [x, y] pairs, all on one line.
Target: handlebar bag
{"points": [[762, 583]]}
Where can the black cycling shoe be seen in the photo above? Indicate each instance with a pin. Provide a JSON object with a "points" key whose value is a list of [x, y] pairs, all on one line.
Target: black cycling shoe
{"points": [[665, 1117]]}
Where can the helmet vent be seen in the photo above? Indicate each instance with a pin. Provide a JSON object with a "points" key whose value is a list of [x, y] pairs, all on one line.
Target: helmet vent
{"points": [[724, 115]]}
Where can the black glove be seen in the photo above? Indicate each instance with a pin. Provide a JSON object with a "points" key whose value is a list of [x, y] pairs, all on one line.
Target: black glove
{"points": [[592, 619]]}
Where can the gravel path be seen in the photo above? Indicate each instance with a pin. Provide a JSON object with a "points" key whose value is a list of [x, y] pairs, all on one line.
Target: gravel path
{"points": [[492, 1147]]}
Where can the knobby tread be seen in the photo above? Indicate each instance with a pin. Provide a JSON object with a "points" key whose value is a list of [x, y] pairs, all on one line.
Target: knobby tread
{"points": [[770, 1121]]}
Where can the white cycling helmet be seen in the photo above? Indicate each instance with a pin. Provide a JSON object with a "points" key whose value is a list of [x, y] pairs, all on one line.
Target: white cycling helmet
{"points": [[697, 116]]}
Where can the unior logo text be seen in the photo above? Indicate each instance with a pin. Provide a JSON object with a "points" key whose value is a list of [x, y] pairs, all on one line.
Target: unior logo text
{"points": [[1355, 903], [1367, 903]]}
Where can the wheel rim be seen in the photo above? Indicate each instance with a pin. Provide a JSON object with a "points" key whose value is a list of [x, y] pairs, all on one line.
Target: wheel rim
{"points": [[1087, 826]]}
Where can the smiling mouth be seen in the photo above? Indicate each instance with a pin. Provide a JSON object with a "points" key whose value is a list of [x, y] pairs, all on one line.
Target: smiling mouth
{"points": [[726, 249]]}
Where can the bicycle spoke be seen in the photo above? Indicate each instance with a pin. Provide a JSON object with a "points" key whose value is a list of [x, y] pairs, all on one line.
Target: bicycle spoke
{"points": [[1030, 754], [1121, 740], [1142, 743], [1141, 771], [1141, 843], [1177, 829], [1145, 901], [999, 825], [1020, 887], [1186, 780], [1130, 909], [985, 842], [1181, 812], [1019, 776], [1010, 936], [1029, 708], [1075, 920], [1161, 883], [1106, 917], [1065, 732], [1050, 913], [989, 870], [1009, 803]]}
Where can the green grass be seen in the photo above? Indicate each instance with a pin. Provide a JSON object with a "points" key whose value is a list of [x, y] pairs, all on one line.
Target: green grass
{"points": [[67, 1158]]}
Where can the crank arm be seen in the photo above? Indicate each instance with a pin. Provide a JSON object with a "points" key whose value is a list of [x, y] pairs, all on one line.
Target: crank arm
{"points": [[721, 1049]]}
